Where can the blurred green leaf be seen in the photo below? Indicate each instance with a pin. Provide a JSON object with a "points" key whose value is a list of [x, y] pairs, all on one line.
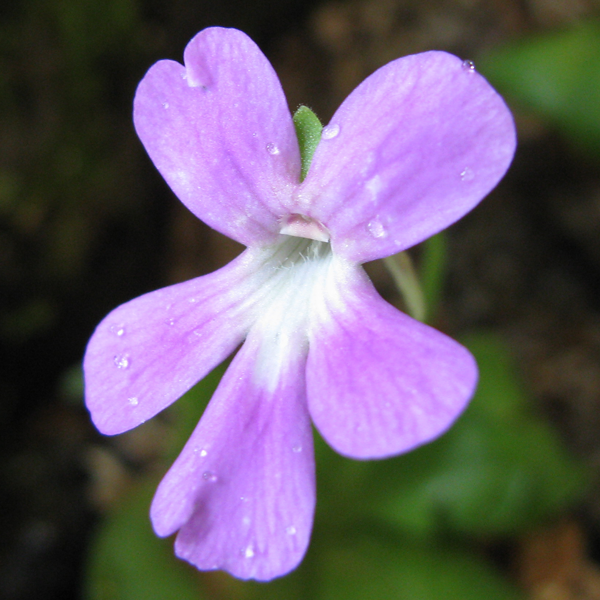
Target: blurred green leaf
{"points": [[432, 271], [362, 567], [557, 75], [128, 562]]}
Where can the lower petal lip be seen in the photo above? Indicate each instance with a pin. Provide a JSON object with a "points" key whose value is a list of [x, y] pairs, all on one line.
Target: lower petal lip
{"points": [[242, 492]]}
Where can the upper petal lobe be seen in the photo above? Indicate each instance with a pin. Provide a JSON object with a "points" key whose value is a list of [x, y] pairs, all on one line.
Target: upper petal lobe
{"points": [[417, 145], [220, 132]]}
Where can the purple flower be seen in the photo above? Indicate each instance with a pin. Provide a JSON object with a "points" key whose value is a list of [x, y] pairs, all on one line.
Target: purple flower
{"points": [[417, 145]]}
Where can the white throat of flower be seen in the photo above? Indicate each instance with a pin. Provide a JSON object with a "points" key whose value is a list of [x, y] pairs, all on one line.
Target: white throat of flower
{"points": [[296, 288]]}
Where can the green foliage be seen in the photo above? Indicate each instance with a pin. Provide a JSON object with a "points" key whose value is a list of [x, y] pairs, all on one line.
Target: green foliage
{"points": [[369, 567], [128, 561], [308, 129], [432, 272], [558, 76]]}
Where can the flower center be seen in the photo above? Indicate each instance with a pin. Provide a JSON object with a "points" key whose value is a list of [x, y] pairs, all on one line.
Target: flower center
{"points": [[302, 226], [299, 272]]}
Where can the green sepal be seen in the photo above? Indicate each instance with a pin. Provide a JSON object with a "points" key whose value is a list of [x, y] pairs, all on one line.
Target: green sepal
{"points": [[308, 129]]}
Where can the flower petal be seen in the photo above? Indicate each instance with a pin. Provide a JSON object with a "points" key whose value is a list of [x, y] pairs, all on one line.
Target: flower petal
{"points": [[220, 132], [148, 352], [378, 382], [412, 149], [242, 491]]}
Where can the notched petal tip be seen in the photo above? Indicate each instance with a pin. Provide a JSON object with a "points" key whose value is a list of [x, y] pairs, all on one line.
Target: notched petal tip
{"points": [[242, 492], [207, 128]]}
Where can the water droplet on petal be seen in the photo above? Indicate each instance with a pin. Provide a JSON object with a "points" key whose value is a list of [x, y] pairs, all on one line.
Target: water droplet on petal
{"points": [[203, 452], [117, 330], [133, 401], [297, 449], [170, 322], [468, 65], [330, 131], [291, 530], [374, 187], [467, 174], [248, 552], [121, 361], [272, 149], [197, 332], [376, 228], [165, 105], [209, 476]]}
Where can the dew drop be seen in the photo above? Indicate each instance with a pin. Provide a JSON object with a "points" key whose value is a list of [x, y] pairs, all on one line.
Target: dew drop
{"points": [[297, 449], [330, 131], [209, 476], [203, 452], [170, 322], [165, 105], [291, 530], [197, 332], [133, 401], [468, 65], [121, 361], [254, 134], [376, 228], [117, 330], [192, 300], [248, 552], [374, 187], [272, 149], [243, 498], [467, 174]]}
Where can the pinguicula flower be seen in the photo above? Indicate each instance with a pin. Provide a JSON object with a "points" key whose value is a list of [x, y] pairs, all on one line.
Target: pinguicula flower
{"points": [[412, 149]]}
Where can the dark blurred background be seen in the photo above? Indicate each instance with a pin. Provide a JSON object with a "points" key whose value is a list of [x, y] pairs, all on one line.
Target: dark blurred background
{"points": [[86, 223]]}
